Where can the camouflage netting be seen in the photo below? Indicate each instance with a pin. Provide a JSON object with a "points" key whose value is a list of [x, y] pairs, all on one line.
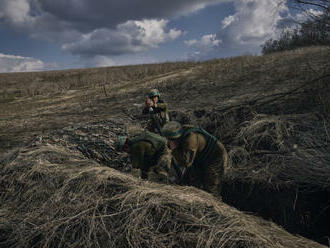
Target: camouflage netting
{"points": [[53, 196]]}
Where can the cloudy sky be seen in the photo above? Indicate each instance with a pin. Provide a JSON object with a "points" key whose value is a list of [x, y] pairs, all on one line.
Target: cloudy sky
{"points": [[64, 34]]}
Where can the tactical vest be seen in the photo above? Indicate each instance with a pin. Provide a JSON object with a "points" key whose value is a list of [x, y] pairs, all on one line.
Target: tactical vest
{"points": [[157, 141], [160, 116], [211, 142]]}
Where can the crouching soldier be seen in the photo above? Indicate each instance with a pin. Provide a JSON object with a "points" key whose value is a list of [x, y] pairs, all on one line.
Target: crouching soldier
{"points": [[149, 153], [157, 110], [199, 155]]}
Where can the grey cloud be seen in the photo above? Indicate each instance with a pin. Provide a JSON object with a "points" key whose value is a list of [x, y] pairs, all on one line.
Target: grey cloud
{"points": [[80, 26], [129, 37], [89, 14], [102, 41]]}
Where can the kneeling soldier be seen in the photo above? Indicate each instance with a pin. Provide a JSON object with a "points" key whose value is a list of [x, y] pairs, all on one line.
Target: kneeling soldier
{"points": [[149, 153], [199, 155]]}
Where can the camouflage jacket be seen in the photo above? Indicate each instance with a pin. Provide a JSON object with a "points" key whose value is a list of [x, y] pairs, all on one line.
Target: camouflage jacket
{"points": [[198, 148], [146, 150], [159, 112]]}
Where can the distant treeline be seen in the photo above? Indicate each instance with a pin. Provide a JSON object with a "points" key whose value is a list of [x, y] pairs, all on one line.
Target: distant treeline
{"points": [[314, 32]]}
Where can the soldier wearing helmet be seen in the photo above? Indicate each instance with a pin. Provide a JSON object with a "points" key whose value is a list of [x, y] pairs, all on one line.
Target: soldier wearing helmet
{"points": [[201, 157], [157, 110], [149, 153]]}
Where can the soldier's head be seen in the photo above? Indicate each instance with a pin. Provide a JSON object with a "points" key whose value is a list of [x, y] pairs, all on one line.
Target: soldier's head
{"points": [[154, 95], [122, 144], [172, 131]]}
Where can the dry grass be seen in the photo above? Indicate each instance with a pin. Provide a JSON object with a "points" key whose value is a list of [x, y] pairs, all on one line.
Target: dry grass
{"points": [[53, 197], [42, 101], [278, 142], [271, 112]]}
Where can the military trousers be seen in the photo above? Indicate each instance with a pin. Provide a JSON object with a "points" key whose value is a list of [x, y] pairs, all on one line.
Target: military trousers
{"points": [[161, 172], [205, 176]]}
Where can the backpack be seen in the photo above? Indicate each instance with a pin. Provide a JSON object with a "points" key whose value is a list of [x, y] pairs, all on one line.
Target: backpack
{"points": [[211, 142], [157, 141]]}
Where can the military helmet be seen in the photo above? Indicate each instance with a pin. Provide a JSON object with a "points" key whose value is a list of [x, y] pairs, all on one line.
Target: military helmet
{"points": [[121, 141], [153, 93], [172, 130]]}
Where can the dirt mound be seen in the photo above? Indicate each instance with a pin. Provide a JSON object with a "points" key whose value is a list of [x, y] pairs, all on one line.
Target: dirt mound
{"points": [[53, 196]]}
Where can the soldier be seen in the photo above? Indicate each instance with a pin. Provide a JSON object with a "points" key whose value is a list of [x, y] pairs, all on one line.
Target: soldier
{"points": [[149, 153], [157, 110], [201, 157]]}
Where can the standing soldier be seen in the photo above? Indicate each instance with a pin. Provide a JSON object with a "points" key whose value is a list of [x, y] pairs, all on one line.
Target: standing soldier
{"points": [[157, 110], [201, 157], [149, 153]]}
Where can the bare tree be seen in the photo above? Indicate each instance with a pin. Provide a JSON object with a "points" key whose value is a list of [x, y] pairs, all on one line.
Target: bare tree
{"points": [[315, 30], [322, 4], [306, 5]]}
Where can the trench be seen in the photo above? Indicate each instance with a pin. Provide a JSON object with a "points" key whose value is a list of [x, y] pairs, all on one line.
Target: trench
{"points": [[303, 213], [299, 211]]}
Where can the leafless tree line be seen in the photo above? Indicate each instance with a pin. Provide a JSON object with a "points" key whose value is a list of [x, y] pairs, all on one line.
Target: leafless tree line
{"points": [[314, 31]]}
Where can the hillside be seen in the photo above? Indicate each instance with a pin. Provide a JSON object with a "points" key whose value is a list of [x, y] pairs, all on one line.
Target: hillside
{"points": [[271, 112]]}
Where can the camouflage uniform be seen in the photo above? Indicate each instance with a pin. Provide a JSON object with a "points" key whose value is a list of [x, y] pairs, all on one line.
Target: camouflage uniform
{"points": [[201, 157], [158, 114], [149, 153]]}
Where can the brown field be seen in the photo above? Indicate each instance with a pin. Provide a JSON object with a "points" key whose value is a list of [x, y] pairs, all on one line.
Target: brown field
{"points": [[271, 112]]}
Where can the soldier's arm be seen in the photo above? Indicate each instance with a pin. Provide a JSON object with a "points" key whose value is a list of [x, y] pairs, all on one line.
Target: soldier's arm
{"points": [[145, 110], [189, 150], [137, 155], [161, 106], [148, 104]]}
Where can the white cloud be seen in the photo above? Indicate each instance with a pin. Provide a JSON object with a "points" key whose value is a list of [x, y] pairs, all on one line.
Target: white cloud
{"points": [[149, 32], [304, 16], [228, 20], [15, 11], [254, 22], [12, 63], [243, 32], [128, 37], [206, 45], [315, 12], [207, 42]]}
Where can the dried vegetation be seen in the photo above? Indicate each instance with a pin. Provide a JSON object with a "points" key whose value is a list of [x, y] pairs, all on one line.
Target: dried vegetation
{"points": [[52, 196], [271, 112]]}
